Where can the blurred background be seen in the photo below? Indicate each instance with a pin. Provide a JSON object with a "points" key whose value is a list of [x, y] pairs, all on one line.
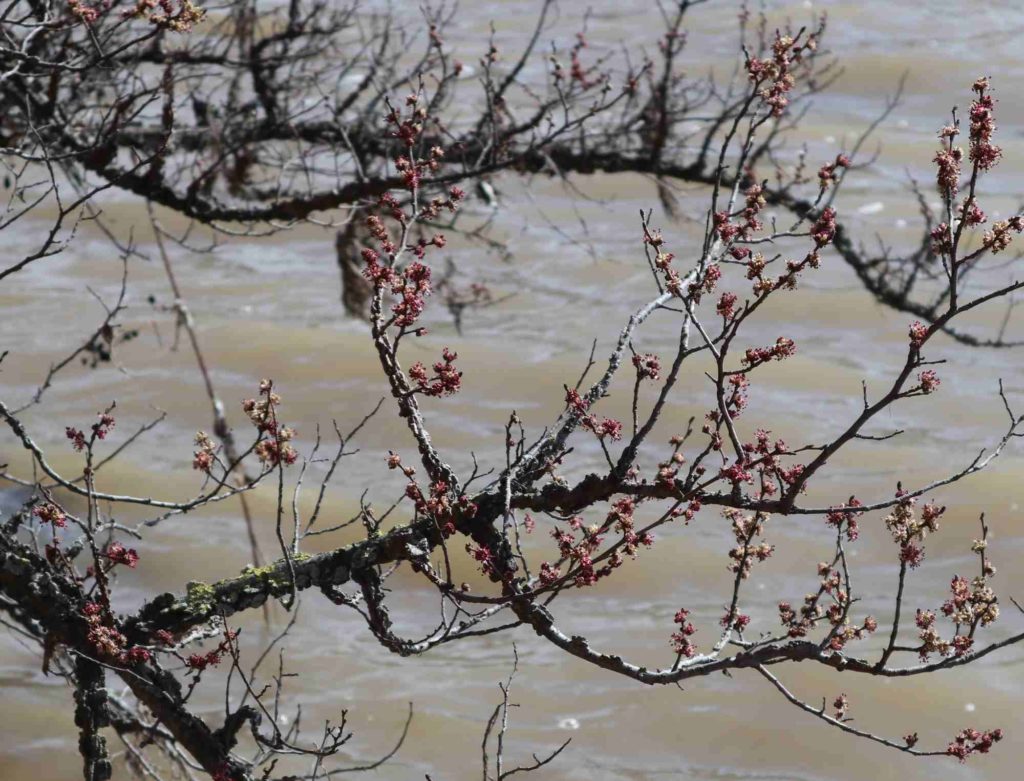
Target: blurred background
{"points": [[269, 307]]}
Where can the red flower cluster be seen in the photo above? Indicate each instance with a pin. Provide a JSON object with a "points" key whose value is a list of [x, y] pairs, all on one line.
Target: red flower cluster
{"points": [[999, 238], [776, 73], [52, 514], [931, 641], [729, 231], [947, 177], [446, 381], [929, 381], [548, 574], [971, 741], [745, 528], [762, 455], [439, 503], [971, 602], [277, 448], [827, 173], [681, 638], [983, 152], [204, 456], [483, 555], [179, 16], [733, 620], [673, 283], [108, 643], [842, 706], [726, 305], [412, 286], [620, 518], [837, 519], [199, 662], [648, 366], [706, 282], [782, 349], [823, 230], [407, 130], [118, 554], [603, 428], [907, 531], [578, 73], [77, 438], [580, 553], [736, 401], [918, 333], [100, 429], [88, 13]]}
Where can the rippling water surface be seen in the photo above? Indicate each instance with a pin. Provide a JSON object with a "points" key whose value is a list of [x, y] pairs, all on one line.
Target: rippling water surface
{"points": [[270, 308]]}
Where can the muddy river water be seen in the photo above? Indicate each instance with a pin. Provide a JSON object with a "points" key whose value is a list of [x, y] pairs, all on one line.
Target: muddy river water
{"points": [[269, 307]]}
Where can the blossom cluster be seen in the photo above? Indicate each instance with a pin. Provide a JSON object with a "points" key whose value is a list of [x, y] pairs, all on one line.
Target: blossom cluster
{"points": [[822, 233], [199, 662], [648, 366], [774, 75], [729, 231], [842, 519], [100, 429], [178, 16], [971, 741], [447, 379], [603, 428], [837, 612], [580, 552], [971, 602], [799, 622], [983, 152], [663, 262], [276, 449], [439, 502], [681, 642], [51, 514], [204, 455], [745, 528], [827, 175], [782, 349], [842, 706], [732, 619], [411, 287], [117, 553], [110, 644], [999, 238], [908, 531], [578, 73]]}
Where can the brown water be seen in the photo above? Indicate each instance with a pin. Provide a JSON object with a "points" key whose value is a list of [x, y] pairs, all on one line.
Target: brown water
{"points": [[270, 308]]}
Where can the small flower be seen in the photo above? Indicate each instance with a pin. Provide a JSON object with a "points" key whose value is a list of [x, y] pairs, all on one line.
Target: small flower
{"points": [[52, 514], [77, 438], [842, 705], [947, 163], [726, 305], [918, 333], [912, 555], [929, 381], [681, 639], [648, 366], [483, 555], [118, 554], [137, 655]]}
